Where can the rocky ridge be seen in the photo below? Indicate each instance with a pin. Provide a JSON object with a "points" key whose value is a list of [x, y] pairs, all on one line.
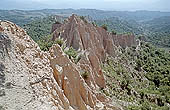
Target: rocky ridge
{"points": [[34, 80]]}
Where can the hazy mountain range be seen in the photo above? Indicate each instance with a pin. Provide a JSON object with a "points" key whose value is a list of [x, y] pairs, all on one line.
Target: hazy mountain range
{"points": [[95, 14], [154, 25]]}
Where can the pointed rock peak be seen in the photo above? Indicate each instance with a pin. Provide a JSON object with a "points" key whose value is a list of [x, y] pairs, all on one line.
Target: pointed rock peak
{"points": [[78, 19], [74, 15]]}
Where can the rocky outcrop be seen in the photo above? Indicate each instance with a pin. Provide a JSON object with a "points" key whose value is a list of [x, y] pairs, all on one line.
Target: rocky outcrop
{"points": [[58, 22], [24, 71], [124, 40], [95, 41], [34, 80], [5, 44], [55, 26], [79, 94], [84, 35]]}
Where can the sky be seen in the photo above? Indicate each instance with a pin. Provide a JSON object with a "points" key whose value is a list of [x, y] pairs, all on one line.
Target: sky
{"points": [[116, 5]]}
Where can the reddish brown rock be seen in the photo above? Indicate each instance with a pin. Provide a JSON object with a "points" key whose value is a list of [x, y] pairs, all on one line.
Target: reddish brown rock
{"points": [[95, 41], [79, 94], [41, 80], [50, 80], [85, 36], [124, 40], [1, 29], [55, 26]]}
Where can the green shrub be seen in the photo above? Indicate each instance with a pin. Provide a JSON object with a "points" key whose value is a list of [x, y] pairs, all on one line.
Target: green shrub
{"points": [[114, 32], [78, 59], [132, 107], [128, 33], [146, 106], [45, 46], [59, 41], [72, 53], [104, 26], [85, 75], [94, 24], [83, 18]]}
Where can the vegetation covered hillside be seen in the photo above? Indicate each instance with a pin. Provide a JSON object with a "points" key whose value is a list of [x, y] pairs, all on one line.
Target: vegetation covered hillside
{"points": [[40, 28], [158, 31], [121, 26], [20, 17], [139, 77]]}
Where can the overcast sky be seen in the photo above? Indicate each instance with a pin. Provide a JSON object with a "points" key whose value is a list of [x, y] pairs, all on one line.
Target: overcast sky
{"points": [[123, 5]]}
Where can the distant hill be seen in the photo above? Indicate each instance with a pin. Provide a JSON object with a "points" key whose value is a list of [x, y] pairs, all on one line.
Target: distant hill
{"points": [[126, 15], [161, 24], [121, 26], [21, 17], [158, 31]]}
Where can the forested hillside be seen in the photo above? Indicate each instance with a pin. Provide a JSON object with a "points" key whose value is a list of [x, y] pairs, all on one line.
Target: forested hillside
{"points": [[20, 17], [40, 28], [158, 31], [121, 26], [140, 76]]}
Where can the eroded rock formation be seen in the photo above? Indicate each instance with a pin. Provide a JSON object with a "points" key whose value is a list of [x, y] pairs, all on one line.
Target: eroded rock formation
{"points": [[83, 35], [34, 80], [97, 44]]}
